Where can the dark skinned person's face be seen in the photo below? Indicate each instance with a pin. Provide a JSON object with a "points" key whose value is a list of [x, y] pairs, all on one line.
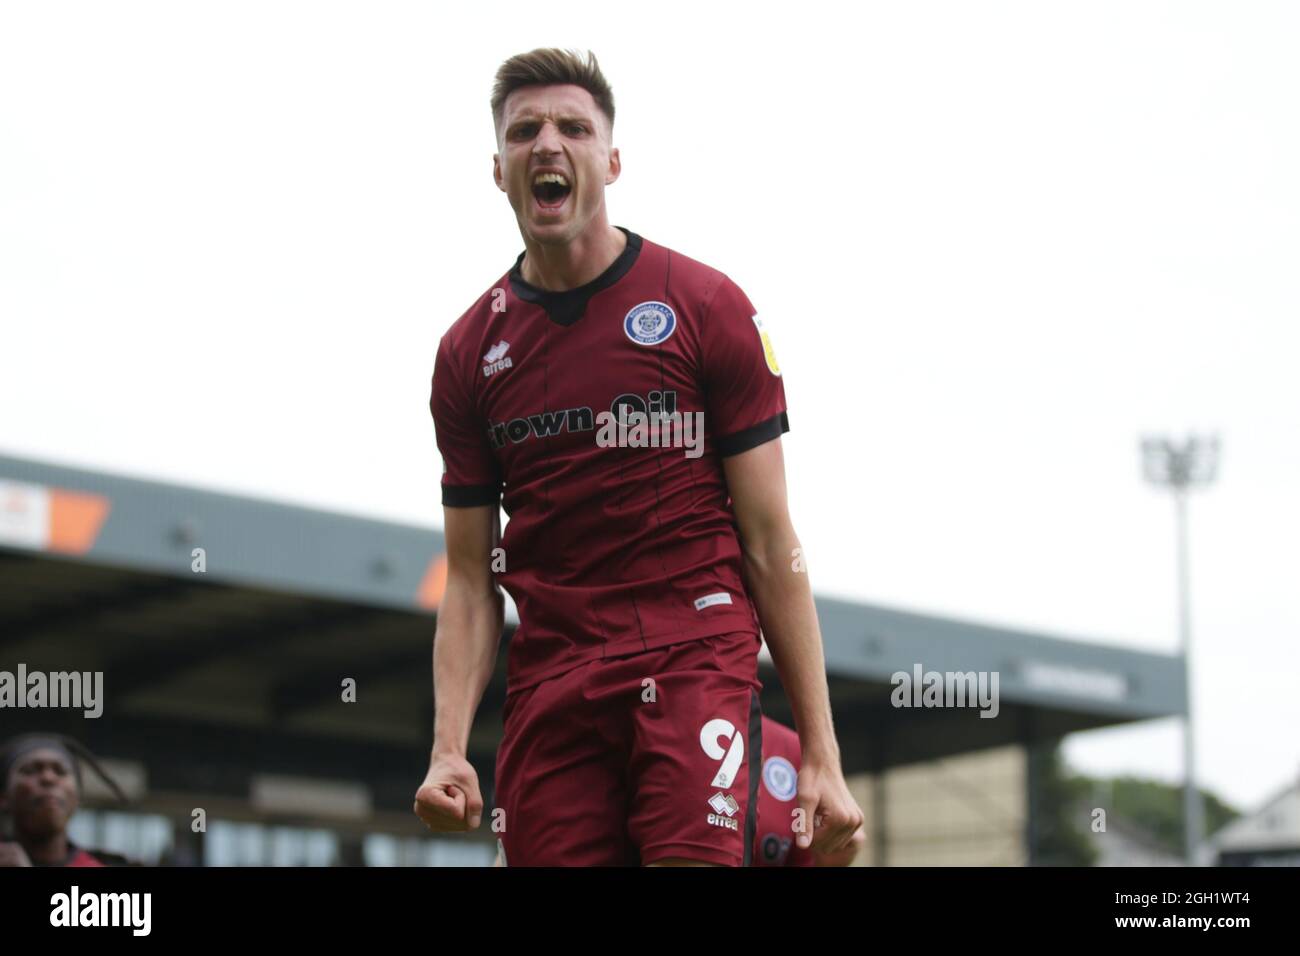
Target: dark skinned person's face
{"points": [[41, 793]]}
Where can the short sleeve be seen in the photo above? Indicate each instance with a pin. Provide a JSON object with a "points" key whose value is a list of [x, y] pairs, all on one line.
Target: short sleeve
{"points": [[471, 476], [746, 398]]}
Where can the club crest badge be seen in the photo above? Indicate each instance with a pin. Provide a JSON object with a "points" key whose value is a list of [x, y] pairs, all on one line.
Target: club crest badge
{"points": [[780, 778], [650, 323]]}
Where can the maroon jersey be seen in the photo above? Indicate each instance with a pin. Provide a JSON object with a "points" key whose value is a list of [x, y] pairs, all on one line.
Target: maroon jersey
{"points": [[774, 843], [83, 858], [609, 549]]}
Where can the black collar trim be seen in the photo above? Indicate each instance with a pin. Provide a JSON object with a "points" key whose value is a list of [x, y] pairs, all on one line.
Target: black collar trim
{"points": [[568, 306]]}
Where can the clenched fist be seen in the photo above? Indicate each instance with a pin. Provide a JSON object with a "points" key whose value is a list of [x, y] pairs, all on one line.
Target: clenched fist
{"points": [[449, 798]]}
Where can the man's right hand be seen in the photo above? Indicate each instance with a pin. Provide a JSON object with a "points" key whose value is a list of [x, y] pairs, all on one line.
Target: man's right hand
{"points": [[449, 799], [844, 857], [13, 854]]}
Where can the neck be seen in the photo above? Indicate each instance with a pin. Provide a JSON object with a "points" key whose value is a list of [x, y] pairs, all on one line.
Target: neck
{"points": [[50, 850], [556, 268]]}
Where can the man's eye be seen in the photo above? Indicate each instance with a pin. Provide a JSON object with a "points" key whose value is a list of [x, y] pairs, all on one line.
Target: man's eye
{"points": [[576, 128]]}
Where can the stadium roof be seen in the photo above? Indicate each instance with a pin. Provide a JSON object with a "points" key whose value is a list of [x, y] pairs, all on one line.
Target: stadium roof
{"points": [[213, 673]]}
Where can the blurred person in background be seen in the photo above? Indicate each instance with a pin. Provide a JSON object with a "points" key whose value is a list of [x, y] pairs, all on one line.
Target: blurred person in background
{"points": [[774, 837], [41, 792]]}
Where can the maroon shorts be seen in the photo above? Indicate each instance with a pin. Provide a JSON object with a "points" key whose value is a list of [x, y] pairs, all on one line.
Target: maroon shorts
{"points": [[635, 759]]}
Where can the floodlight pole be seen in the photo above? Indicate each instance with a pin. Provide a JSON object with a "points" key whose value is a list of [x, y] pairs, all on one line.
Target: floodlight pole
{"points": [[1179, 469], [1193, 812]]}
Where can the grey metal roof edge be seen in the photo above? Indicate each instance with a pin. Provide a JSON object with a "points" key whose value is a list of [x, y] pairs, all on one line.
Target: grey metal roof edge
{"points": [[156, 526], [891, 614], [878, 643], [89, 479]]}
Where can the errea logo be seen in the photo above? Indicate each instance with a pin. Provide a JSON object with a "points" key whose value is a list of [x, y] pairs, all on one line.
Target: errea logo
{"points": [[496, 359], [725, 809]]}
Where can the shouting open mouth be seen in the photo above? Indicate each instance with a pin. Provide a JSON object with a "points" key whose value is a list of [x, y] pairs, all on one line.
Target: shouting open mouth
{"points": [[551, 190]]}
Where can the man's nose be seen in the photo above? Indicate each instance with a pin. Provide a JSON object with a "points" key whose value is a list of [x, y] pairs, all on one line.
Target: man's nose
{"points": [[548, 139]]}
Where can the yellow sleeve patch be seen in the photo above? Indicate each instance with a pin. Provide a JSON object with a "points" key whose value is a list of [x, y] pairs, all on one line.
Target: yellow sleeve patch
{"points": [[769, 352]]}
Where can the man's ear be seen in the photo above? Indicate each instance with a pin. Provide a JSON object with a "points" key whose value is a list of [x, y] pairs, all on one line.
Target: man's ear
{"points": [[496, 172], [615, 166]]}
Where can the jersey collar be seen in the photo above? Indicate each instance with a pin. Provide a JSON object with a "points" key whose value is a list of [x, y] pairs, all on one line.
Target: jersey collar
{"points": [[568, 306]]}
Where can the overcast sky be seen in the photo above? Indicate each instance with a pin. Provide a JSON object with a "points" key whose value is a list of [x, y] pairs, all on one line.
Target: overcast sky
{"points": [[994, 244]]}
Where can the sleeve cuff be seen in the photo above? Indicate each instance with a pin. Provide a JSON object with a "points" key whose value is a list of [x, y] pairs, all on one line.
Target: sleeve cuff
{"points": [[753, 436], [470, 496]]}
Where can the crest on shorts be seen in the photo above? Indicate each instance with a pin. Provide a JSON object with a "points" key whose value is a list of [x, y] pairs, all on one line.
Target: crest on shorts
{"points": [[780, 778], [650, 323]]}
